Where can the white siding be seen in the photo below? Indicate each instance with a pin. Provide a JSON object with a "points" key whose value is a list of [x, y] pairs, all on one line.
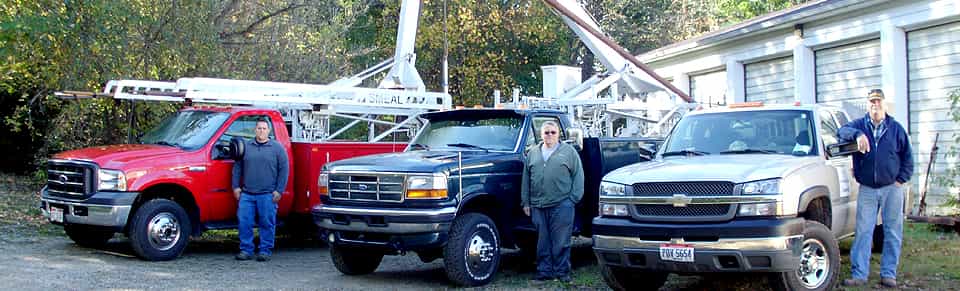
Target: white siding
{"points": [[933, 59], [770, 81], [709, 89], [845, 74]]}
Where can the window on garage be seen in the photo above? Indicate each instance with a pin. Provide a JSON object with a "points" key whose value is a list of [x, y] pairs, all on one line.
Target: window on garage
{"points": [[709, 89]]}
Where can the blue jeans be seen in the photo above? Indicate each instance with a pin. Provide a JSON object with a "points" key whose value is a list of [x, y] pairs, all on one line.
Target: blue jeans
{"points": [[554, 229], [259, 210], [889, 201]]}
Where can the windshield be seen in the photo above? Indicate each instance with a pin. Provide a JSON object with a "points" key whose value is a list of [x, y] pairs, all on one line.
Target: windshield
{"points": [[474, 133], [188, 130], [746, 132]]}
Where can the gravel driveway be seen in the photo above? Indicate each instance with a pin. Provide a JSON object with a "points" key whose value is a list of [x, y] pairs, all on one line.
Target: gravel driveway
{"points": [[55, 263]]}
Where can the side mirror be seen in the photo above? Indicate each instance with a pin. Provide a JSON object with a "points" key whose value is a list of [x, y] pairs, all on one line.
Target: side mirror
{"points": [[842, 149], [575, 136], [232, 150]]}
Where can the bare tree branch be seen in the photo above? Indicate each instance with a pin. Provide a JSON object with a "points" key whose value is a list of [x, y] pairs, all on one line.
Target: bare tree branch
{"points": [[253, 26]]}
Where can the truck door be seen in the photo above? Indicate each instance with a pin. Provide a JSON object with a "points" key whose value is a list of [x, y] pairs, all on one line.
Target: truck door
{"points": [[844, 198], [219, 175]]}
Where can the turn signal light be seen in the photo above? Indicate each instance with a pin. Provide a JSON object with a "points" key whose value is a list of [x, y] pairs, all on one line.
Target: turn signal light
{"points": [[427, 194]]}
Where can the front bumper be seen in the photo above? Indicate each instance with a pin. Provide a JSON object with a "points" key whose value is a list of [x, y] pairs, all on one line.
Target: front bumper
{"points": [[106, 209], [775, 247], [391, 229]]}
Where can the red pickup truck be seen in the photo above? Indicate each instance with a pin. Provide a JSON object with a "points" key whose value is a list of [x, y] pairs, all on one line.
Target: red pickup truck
{"points": [[176, 182]]}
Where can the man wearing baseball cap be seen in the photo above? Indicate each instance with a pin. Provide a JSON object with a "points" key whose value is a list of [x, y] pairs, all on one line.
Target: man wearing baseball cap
{"points": [[882, 165]]}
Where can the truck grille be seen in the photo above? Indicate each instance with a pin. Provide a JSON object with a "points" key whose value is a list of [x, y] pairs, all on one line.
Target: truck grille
{"points": [[70, 179], [694, 210], [686, 188], [367, 187]]}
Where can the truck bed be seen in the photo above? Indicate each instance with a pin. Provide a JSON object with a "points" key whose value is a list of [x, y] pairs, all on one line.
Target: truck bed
{"points": [[310, 157]]}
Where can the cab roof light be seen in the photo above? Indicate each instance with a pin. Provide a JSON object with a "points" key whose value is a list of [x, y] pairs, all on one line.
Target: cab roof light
{"points": [[746, 104]]}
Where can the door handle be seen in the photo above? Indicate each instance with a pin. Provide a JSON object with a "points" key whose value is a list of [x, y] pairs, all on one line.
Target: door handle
{"points": [[221, 190], [197, 169]]}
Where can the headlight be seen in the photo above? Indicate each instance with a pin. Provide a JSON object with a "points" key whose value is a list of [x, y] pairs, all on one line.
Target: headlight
{"points": [[759, 209], [427, 187], [771, 186], [111, 180], [323, 184], [613, 209], [612, 189]]}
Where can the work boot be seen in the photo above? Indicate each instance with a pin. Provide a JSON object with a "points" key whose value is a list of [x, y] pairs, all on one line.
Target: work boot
{"points": [[243, 257], [854, 282], [540, 280], [889, 282], [263, 257]]}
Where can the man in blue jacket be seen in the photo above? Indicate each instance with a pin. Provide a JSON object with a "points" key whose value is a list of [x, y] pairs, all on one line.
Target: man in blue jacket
{"points": [[258, 182], [882, 165]]}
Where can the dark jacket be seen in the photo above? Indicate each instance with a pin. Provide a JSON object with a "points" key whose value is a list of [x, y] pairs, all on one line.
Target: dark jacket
{"points": [[889, 160], [548, 183], [263, 169]]}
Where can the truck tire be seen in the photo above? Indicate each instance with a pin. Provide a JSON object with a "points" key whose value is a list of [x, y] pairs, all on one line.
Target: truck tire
{"points": [[88, 236], [355, 261], [472, 255], [819, 262], [621, 279], [160, 230]]}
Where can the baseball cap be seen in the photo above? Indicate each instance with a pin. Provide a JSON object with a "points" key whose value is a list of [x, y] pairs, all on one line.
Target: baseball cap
{"points": [[875, 94]]}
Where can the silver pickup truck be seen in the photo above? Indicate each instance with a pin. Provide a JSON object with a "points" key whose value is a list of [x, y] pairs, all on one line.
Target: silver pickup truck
{"points": [[748, 188]]}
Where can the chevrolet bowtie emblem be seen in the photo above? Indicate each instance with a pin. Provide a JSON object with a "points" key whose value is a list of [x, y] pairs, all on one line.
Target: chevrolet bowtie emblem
{"points": [[680, 200]]}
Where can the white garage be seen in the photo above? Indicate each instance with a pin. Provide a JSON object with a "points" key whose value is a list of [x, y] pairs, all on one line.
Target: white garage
{"points": [[933, 59], [834, 52]]}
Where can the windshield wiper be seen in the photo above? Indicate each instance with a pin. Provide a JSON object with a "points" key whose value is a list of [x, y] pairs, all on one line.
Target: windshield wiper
{"points": [[685, 153], [749, 151], [466, 145], [166, 143], [419, 145]]}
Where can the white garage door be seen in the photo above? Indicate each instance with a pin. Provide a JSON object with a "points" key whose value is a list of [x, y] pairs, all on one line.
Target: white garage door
{"points": [[709, 89], [933, 58], [845, 74], [770, 81]]}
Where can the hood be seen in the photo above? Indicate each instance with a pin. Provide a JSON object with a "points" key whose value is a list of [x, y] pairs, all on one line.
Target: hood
{"points": [[733, 168], [414, 161], [118, 156]]}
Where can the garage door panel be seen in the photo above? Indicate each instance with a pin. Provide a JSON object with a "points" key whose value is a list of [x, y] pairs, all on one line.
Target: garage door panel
{"points": [[933, 61], [770, 81], [946, 82], [848, 74], [849, 65], [845, 74]]}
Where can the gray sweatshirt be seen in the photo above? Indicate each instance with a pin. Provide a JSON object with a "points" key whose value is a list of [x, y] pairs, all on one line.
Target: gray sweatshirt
{"points": [[263, 169]]}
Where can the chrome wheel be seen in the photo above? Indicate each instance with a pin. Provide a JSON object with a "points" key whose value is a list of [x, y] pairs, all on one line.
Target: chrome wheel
{"points": [[814, 264], [163, 231], [480, 253]]}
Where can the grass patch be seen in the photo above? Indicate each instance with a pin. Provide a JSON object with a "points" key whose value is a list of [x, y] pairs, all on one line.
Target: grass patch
{"points": [[20, 208], [929, 259]]}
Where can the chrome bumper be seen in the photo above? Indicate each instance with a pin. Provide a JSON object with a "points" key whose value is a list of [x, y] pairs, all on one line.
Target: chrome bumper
{"points": [[433, 220], [746, 244], [101, 215]]}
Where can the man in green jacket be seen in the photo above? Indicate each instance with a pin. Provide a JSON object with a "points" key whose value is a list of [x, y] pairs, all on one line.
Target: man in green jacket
{"points": [[552, 185]]}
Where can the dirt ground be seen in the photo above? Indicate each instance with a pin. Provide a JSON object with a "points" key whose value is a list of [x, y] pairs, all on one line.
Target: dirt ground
{"points": [[55, 263]]}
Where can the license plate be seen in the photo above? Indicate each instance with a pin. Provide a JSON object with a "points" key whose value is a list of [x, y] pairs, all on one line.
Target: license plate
{"points": [[676, 253], [56, 214]]}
